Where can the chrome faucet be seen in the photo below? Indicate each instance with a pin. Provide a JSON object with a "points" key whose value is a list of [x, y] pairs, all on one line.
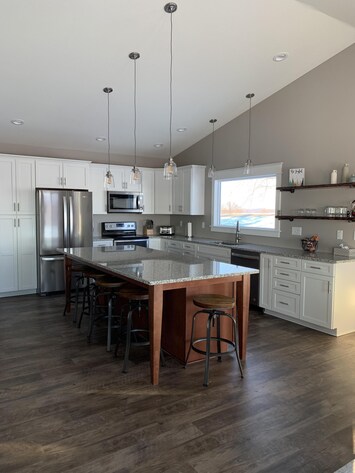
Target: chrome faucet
{"points": [[237, 234]]}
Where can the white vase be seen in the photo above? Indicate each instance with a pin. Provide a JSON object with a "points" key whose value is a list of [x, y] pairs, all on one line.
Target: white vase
{"points": [[334, 176]]}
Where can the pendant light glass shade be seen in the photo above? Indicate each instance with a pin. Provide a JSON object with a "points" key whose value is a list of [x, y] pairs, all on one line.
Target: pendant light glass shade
{"points": [[170, 168], [212, 169], [109, 181], [248, 166], [135, 175]]}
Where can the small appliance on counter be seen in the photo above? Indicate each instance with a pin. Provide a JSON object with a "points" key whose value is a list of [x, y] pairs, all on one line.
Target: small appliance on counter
{"points": [[167, 230]]}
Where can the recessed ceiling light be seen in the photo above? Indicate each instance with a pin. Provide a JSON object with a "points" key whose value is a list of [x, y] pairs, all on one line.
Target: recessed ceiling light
{"points": [[18, 121], [280, 57], [181, 130], [100, 138], [158, 145]]}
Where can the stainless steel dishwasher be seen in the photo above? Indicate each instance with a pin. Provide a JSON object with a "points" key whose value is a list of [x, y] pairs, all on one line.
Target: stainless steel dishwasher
{"points": [[250, 259]]}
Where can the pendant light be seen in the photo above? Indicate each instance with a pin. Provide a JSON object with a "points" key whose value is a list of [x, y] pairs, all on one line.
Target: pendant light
{"points": [[248, 164], [212, 169], [136, 175], [170, 168], [109, 181]]}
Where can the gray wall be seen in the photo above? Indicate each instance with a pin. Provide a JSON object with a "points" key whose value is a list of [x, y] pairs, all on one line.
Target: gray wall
{"points": [[310, 124]]}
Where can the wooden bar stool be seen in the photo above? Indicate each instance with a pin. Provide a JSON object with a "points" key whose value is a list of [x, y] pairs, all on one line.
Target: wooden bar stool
{"points": [[214, 305], [137, 301], [104, 287], [89, 278], [77, 271]]}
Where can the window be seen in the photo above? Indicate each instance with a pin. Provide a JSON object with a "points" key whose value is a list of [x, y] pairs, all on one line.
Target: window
{"points": [[252, 200]]}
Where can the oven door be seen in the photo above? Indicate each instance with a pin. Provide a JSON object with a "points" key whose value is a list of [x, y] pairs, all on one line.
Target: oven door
{"points": [[124, 202], [133, 241]]}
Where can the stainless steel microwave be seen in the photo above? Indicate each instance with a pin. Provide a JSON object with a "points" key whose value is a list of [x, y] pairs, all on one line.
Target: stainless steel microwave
{"points": [[124, 202]]}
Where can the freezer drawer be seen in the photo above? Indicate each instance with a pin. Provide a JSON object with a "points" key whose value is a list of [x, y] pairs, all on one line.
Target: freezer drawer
{"points": [[51, 274]]}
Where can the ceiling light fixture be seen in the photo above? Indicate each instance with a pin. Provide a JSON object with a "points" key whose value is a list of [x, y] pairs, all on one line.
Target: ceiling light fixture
{"points": [[280, 57], [181, 130], [17, 121], [109, 181], [158, 145], [248, 164], [212, 169], [100, 138], [136, 175], [170, 168]]}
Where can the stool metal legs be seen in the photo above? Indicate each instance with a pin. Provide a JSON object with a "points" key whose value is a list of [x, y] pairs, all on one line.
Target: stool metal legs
{"points": [[214, 316]]}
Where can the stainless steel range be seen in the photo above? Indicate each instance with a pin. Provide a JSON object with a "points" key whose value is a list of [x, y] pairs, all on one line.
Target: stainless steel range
{"points": [[123, 233]]}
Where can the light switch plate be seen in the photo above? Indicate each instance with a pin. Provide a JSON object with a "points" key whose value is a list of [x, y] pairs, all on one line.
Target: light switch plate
{"points": [[297, 231], [203, 225]]}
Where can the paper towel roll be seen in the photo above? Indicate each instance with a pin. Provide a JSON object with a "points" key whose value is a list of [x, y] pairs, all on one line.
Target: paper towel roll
{"points": [[189, 229]]}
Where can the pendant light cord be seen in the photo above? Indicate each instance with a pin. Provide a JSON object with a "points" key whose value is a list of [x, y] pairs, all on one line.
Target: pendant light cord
{"points": [[108, 132], [212, 143], [171, 82], [135, 113], [251, 95]]}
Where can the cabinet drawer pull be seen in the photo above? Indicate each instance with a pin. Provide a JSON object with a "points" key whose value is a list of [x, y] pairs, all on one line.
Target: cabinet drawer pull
{"points": [[18, 222], [284, 274], [14, 222], [14, 206], [285, 262], [315, 267], [283, 285], [283, 303], [18, 206]]}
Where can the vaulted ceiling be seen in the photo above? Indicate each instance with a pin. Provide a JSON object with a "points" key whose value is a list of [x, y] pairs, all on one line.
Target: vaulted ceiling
{"points": [[57, 56]]}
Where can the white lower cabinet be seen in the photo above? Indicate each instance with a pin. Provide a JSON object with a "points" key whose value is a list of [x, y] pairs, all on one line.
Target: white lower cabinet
{"points": [[316, 294], [17, 253], [156, 243]]}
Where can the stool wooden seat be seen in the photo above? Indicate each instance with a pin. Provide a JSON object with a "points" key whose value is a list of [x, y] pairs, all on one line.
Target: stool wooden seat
{"points": [[134, 293], [214, 305], [214, 301], [79, 268], [107, 287]]}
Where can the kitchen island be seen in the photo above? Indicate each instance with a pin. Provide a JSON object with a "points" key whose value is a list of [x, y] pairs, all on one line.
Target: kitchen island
{"points": [[163, 273]]}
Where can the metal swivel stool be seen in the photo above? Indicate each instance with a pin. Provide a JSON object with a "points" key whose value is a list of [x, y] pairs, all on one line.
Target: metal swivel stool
{"points": [[107, 288], [89, 278], [214, 305], [137, 302], [77, 271]]}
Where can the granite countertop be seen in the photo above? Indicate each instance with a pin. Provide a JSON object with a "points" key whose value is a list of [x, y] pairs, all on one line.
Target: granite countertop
{"points": [[287, 252], [154, 267]]}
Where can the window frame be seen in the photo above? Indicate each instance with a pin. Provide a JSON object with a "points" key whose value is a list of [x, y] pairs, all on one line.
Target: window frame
{"points": [[263, 170]]}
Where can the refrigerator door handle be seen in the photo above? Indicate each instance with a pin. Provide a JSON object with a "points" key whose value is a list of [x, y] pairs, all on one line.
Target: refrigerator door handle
{"points": [[65, 221], [71, 220]]}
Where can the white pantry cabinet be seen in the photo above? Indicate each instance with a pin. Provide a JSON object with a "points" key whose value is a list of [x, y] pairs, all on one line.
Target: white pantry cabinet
{"points": [[17, 254], [162, 193], [189, 190], [17, 185], [58, 174]]}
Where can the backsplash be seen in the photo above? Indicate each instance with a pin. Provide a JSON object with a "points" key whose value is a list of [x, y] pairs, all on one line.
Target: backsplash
{"points": [[126, 217]]}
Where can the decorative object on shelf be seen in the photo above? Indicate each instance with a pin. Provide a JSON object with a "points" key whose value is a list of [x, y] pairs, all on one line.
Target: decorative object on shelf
{"points": [[296, 177], [310, 244], [334, 177], [345, 173], [136, 175], [353, 208], [329, 211], [109, 181], [212, 169], [170, 168], [248, 164]]}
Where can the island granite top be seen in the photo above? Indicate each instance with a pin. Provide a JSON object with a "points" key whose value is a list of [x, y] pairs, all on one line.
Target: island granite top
{"points": [[153, 267]]}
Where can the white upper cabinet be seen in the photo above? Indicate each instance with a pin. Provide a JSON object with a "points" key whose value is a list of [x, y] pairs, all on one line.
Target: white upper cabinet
{"points": [[162, 193], [96, 186], [66, 174], [122, 176], [189, 190], [148, 176], [17, 185]]}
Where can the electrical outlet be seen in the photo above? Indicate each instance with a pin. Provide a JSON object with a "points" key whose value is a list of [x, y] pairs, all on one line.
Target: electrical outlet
{"points": [[297, 231], [180, 223], [340, 234], [203, 226]]}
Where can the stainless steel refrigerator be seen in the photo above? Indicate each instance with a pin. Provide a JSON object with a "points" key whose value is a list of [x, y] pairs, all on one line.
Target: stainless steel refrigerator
{"points": [[64, 220]]}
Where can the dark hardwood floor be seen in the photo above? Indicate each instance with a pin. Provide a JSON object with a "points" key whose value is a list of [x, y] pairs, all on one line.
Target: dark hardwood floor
{"points": [[66, 406]]}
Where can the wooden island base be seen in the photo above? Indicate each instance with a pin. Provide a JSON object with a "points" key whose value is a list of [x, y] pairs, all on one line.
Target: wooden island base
{"points": [[178, 310]]}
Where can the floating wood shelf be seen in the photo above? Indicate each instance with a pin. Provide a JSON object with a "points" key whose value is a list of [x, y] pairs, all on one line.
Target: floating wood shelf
{"points": [[313, 217], [292, 189]]}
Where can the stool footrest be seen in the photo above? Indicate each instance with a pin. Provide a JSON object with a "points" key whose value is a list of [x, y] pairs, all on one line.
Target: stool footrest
{"points": [[203, 352]]}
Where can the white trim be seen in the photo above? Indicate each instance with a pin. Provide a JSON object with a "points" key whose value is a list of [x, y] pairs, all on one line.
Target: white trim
{"points": [[263, 170]]}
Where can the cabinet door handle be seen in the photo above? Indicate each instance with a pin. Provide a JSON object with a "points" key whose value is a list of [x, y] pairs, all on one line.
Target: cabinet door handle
{"points": [[14, 206], [315, 267], [60, 181], [18, 206], [329, 287], [14, 222], [283, 285], [169, 207], [18, 222], [65, 181], [285, 262], [284, 274], [283, 303]]}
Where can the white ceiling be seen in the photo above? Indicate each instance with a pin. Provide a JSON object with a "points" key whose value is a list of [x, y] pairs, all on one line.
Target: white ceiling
{"points": [[57, 55]]}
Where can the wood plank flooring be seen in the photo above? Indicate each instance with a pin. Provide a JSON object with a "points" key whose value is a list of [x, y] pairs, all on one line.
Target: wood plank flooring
{"points": [[65, 406]]}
